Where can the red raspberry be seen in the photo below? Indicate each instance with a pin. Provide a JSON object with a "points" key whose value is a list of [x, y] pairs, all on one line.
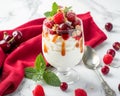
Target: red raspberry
{"points": [[80, 92], [63, 86], [107, 59], [38, 91], [105, 70], [59, 18]]}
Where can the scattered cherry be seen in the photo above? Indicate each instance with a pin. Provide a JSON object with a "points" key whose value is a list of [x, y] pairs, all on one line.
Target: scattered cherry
{"points": [[111, 52], [71, 16], [63, 86], [119, 87], [80, 92], [116, 45], [107, 59], [105, 70], [108, 26], [59, 18]]}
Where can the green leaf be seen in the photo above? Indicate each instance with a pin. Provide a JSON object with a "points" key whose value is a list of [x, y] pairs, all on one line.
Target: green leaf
{"points": [[29, 72], [54, 8], [40, 64], [51, 78], [47, 14]]}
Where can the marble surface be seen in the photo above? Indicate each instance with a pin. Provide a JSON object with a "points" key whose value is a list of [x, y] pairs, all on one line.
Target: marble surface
{"points": [[102, 11]]}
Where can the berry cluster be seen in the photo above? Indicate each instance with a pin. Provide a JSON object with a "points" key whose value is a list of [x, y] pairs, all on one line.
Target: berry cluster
{"points": [[62, 23], [10, 41]]}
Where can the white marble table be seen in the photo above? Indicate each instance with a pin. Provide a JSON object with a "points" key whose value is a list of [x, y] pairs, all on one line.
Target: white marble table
{"points": [[102, 11]]}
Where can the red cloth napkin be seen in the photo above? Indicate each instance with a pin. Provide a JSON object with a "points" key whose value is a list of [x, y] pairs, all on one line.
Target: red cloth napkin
{"points": [[12, 65]]}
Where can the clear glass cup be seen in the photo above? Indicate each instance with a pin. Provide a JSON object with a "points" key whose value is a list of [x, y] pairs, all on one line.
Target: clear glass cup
{"points": [[63, 49]]}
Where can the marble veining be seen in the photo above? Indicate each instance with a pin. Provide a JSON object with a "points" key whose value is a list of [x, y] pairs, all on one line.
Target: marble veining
{"points": [[102, 11]]}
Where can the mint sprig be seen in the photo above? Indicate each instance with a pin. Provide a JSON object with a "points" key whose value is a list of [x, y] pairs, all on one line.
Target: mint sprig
{"points": [[54, 10], [40, 72]]}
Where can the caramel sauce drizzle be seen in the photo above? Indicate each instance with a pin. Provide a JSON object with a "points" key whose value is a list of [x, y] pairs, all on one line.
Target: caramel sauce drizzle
{"points": [[55, 38], [45, 48], [81, 44], [77, 44], [63, 48]]}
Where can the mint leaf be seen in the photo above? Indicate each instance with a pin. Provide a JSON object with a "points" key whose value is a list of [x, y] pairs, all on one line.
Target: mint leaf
{"points": [[51, 78], [54, 10], [29, 72], [40, 64], [47, 14]]}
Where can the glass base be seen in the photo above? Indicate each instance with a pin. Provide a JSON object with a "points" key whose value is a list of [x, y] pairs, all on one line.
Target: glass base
{"points": [[69, 76]]}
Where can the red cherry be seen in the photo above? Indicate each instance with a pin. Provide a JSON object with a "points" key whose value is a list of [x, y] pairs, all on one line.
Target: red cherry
{"points": [[71, 16], [59, 18], [64, 26], [80, 92], [63, 86], [17, 36], [65, 36], [116, 45], [108, 26], [105, 70], [119, 87], [111, 52], [49, 24], [76, 22], [5, 45], [107, 59], [38, 91]]}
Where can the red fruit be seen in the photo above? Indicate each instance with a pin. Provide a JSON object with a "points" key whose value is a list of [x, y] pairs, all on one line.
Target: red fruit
{"points": [[49, 24], [119, 87], [38, 91], [76, 22], [107, 59], [80, 92], [5, 45], [116, 46], [105, 70], [65, 36], [108, 26], [63, 86], [111, 52], [17, 36], [59, 18], [71, 16], [64, 26]]}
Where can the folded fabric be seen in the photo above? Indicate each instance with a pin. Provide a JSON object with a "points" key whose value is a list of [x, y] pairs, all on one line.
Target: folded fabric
{"points": [[12, 65]]}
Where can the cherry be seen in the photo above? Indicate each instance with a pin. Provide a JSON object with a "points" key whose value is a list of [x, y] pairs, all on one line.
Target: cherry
{"points": [[59, 18], [71, 16], [49, 24], [107, 59], [7, 37], [5, 45], [111, 51], [65, 36], [108, 26], [63, 86], [105, 70], [17, 36], [76, 22], [64, 26], [116, 45], [119, 87]]}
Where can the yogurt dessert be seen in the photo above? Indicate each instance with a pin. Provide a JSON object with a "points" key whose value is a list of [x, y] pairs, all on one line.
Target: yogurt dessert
{"points": [[62, 38]]}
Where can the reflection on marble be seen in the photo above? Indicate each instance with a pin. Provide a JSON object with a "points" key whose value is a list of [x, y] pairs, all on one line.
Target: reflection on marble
{"points": [[102, 11]]}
